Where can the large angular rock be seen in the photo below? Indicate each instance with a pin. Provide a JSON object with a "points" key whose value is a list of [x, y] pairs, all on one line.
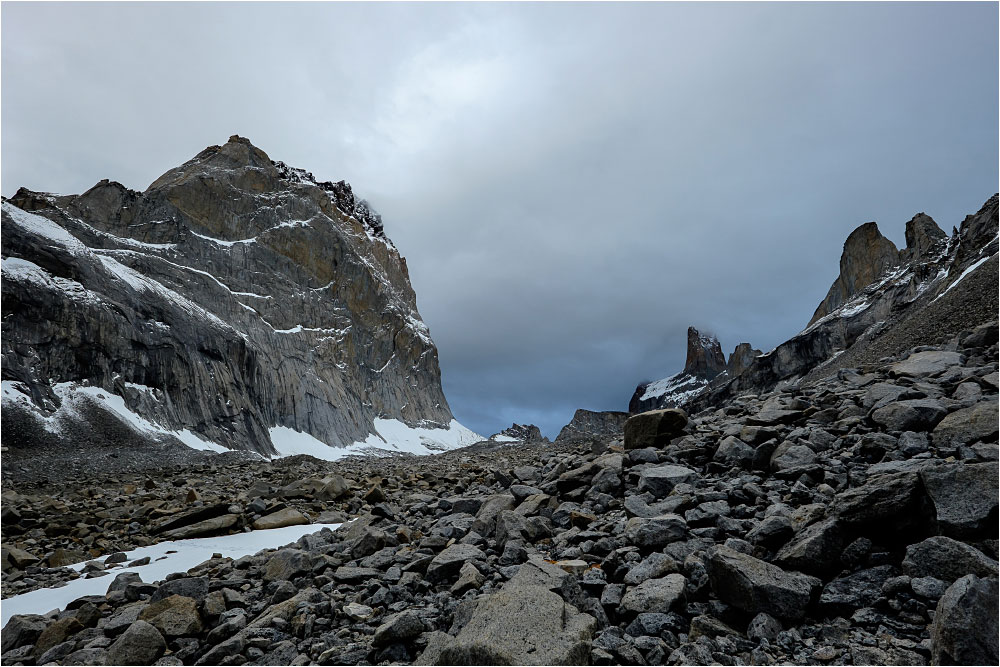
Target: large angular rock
{"points": [[22, 630], [141, 644], [400, 627], [756, 586], [175, 616], [521, 625], [287, 564], [926, 364], [661, 480], [219, 524], [968, 425], [815, 550], [845, 595], [887, 502], [447, 564], [655, 595], [946, 559], [655, 428], [920, 414], [656, 531], [964, 631], [733, 451], [964, 498], [280, 519], [56, 633]]}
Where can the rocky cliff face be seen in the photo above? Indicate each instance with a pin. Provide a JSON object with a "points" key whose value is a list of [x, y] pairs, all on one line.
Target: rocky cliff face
{"points": [[938, 287], [704, 355], [519, 433], [590, 424], [867, 255], [236, 301], [705, 366]]}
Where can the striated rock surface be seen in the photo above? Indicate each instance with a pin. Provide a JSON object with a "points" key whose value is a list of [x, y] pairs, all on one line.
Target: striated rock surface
{"points": [[236, 301]]}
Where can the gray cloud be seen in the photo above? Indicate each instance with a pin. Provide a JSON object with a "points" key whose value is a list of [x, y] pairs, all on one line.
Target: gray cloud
{"points": [[572, 184]]}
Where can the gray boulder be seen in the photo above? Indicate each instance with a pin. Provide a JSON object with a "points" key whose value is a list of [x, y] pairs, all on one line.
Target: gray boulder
{"points": [[964, 498], [964, 631], [656, 531], [947, 559], [446, 565], [968, 425], [655, 595], [926, 364], [815, 550], [655, 428], [661, 480], [920, 414], [141, 644], [520, 625], [756, 586]]}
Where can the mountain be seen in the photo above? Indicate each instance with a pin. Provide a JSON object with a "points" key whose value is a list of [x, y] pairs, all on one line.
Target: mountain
{"points": [[883, 301], [705, 363], [882, 304], [517, 433], [237, 303]]}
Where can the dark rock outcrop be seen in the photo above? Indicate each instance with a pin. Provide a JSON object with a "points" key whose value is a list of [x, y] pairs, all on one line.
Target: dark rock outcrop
{"points": [[233, 296], [589, 424], [518, 433]]}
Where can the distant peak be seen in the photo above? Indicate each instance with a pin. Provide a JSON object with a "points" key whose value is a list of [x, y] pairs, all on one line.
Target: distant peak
{"points": [[704, 355]]}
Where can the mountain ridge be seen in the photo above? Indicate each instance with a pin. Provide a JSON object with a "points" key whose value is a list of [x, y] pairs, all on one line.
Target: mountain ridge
{"points": [[305, 295]]}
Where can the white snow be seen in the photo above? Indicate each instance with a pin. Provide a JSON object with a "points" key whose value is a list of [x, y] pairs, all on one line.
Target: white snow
{"points": [[392, 436], [671, 385], [21, 270], [852, 309], [70, 394], [189, 553], [44, 227], [141, 283], [964, 274], [500, 437], [228, 244]]}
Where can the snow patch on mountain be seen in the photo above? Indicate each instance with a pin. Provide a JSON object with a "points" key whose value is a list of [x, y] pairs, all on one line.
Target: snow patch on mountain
{"points": [[391, 437]]}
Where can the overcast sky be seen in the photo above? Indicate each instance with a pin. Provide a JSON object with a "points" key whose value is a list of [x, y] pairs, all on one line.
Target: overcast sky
{"points": [[572, 185]]}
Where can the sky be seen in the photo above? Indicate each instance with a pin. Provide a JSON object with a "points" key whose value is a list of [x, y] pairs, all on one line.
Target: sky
{"points": [[572, 185]]}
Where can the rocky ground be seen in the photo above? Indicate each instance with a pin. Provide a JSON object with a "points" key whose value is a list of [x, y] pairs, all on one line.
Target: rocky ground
{"points": [[848, 521]]}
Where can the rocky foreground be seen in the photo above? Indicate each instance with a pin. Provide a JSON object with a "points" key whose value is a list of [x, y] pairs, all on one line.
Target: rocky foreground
{"points": [[848, 521]]}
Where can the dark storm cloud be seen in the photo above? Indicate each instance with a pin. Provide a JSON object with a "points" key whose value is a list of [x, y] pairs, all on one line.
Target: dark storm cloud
{"points": [[572, 184]]}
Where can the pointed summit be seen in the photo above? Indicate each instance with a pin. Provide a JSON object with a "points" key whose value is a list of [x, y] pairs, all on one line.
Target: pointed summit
{"points": [[704, 355]]}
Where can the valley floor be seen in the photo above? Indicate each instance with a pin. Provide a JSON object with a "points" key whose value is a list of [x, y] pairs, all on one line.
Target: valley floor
{"points": [[849, 521]]}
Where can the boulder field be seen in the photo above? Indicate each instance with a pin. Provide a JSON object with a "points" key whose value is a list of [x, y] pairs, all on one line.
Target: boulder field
{"points": [[851, 520]]}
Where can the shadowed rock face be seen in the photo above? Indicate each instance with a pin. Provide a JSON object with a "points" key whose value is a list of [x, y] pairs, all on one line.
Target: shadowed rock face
{"points": [[741, 358], [867, 255], [704, 355], [587, 423], [234, 295], [922, 234]]}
